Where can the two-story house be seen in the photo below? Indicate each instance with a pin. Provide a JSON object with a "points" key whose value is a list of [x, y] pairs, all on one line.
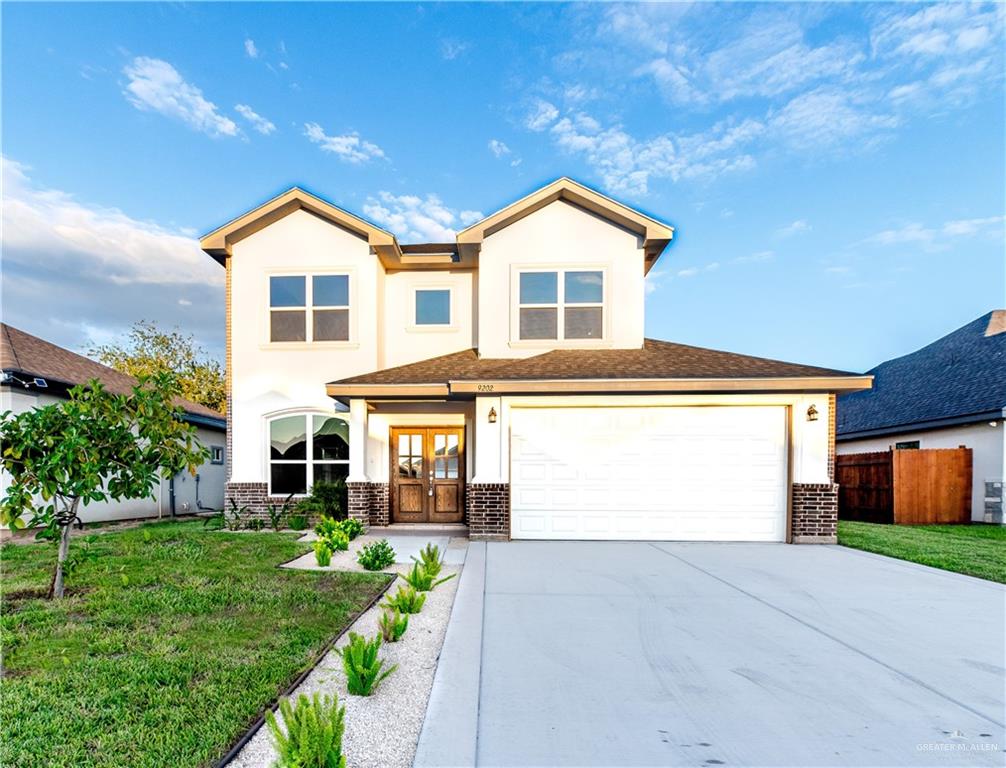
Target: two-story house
{"points": [[503, 381]]}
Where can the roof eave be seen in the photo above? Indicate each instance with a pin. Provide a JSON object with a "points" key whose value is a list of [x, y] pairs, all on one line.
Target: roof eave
{"points": [[921, 426]]}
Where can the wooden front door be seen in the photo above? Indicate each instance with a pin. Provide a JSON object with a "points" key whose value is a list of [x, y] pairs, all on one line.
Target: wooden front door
{"points": [[427, 474]]}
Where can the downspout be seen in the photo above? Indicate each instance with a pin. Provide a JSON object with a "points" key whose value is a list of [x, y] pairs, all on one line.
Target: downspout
{"points": [[171, 495]]}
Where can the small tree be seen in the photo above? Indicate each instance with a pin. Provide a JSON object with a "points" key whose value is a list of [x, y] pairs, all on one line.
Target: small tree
{"points": [[148, 351], [95, 446]]}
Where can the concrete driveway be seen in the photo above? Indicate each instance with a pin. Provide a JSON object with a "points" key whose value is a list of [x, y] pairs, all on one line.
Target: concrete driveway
{"points": [[608, 653]]}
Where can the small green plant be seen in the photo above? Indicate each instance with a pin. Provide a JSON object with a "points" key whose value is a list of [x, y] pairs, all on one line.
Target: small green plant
{"points": [[255, 524], [322, 553], [363, 668], [232, 517], [297, 522], [338, 541], [277, 512], [313, 737], [352, 528], [430, 559], [419, 578], [393, 625], [326, 527], [406, 600], [376, 556]]}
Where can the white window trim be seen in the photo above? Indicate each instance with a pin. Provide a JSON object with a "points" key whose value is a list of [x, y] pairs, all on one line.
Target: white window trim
{"points": [[309, 343], [308, 416], [560, 342], [414, 327]]}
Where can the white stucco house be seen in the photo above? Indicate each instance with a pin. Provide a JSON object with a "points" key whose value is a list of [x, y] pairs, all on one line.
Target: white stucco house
{"points": [[948, 394], [37, 373], [503, 381]]}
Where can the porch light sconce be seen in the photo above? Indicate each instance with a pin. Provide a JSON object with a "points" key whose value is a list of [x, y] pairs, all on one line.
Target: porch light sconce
{"points": [[812, 413], [492, 415]]}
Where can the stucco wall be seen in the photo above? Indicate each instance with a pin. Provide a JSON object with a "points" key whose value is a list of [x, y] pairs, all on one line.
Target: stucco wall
{"points": [[564, 236], [985, 441], [404, 341]]}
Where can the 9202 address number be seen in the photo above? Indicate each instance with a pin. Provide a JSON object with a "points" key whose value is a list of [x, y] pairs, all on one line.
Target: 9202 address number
{"points": [[485, 387]]}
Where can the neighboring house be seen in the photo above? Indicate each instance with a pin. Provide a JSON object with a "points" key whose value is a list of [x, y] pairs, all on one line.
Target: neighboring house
{"points": [[947, 394], [503, 381], [37, 373]]}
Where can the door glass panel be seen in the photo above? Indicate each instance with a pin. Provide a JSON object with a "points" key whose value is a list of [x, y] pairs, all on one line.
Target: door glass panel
{"points": [[452, 469], [404, 466], [452, 445], [403, 446], [417, 445], [417, 467], [439, 443], [440, 469]]}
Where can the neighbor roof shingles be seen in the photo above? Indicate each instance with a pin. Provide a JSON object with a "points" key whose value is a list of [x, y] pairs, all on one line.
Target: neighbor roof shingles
{"points": [[656, 360], [29, 355], [960, 375]]}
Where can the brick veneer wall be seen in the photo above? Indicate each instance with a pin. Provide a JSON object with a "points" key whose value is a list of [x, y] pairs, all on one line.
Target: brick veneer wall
{"points": [[368, 503], [488, 508], [815, 513], [253, 495]]}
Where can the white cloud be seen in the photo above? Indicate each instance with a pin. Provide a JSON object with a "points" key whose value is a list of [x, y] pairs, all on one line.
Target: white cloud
{"points": [[348, 147], [937, 238], [827, 117], [156, 86], [418, 219], [251, 49], [688, 272], [541, 116], [451, 49], [795, 228], [498, 148], [259, 123], [50, 226], [754, 258]]}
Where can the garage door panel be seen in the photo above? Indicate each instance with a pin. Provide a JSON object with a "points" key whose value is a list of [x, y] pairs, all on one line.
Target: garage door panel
{"points": [[715, 473]]}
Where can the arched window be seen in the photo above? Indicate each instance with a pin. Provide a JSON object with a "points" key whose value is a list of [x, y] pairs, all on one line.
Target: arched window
{"points": [[304, 449]]}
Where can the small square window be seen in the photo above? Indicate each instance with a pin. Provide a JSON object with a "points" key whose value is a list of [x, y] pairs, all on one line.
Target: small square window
{"points": [[539, 288], [584, 287], [216, 454], [330, 291], [287, 291], [433, 307]]}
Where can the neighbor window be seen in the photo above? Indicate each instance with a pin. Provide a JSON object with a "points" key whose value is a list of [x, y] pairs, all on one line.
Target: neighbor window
{"points": [[216, 454], [306, 449], [907, 445], [309, 308], [561, 305], [433, 306]]}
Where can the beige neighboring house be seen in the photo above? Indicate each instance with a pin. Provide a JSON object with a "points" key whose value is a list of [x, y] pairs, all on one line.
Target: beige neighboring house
{"points": [[503, 381], [37, 373]]}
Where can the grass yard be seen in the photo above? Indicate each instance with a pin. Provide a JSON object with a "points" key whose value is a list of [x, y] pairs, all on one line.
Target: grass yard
{"points": [[166, 647], [977, 550]]}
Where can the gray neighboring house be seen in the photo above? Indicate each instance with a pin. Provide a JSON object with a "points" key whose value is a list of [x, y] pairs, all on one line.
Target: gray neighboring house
{"points": [[947, 394], [37, 373]]}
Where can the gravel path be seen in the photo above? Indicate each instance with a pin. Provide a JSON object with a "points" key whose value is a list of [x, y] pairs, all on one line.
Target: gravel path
{"points": [[382, 730]]}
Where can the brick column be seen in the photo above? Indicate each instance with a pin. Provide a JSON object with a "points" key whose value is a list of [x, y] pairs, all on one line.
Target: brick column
{"points": [[380, 509], [488, 507], [359, 502], [815, 513]]}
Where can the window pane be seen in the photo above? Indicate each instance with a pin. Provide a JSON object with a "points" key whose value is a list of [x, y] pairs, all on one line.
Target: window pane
{"points": [[330, 290], [288, 438], [583, 323], [286, 291], [417, 466], [289, 478], [417, 445], [403, 445], [584, 287], [439, 444], [329, 473], [331, 325], [287, 326], [452, 445], [440, 469], [452, 469], [331, 438], [538, 323], [538, 288], [433, 307]]}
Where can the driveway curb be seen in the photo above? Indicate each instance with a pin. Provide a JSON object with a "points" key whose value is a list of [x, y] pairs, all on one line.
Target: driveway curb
{"points": [[450, 730]]}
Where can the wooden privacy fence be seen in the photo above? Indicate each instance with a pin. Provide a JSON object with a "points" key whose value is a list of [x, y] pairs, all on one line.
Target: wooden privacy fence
{"points": [[908, 487]]}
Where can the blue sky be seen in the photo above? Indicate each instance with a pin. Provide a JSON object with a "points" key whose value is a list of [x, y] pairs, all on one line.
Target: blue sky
{"points": [[835, 173]]}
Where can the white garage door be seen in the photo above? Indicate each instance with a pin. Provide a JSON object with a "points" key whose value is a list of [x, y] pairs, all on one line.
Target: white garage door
{"points": [[701, 473]]}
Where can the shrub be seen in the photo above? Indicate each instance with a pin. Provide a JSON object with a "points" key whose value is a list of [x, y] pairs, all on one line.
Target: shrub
{"points": [[352, 528], [230, 518], [406, 600], [430, 559], [322, 553], [419, 578], [376, 556], [393, 625], [363, 668], [326, 527], [297, 522], [313, 737], [255, 524], [337, 541], [325, 500], [277, 512]]}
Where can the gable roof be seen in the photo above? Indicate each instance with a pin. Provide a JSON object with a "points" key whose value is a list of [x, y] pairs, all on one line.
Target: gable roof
{"points": [[657, 366], [29, 356], [959, 378], [656, 234]]}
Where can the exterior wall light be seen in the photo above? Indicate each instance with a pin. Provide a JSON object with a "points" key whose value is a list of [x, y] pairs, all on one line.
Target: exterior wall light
{"points": [[812, 413], [492, 415]]}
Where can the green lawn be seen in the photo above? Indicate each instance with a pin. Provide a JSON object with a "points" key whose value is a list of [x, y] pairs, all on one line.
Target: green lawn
{"points": [[977, 550], [166, 647]]}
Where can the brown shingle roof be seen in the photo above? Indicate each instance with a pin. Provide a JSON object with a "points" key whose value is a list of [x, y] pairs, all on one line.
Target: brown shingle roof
{"points": [[656, 360], [31, 356]]}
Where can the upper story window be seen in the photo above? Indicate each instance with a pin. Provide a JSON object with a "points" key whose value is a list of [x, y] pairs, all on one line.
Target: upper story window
{"points": [[305, 449], [309, 308], [561, 304], [433, 306]]}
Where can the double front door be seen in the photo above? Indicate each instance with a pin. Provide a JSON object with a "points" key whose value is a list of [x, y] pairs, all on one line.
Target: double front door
{"points": [[427, 474]]}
